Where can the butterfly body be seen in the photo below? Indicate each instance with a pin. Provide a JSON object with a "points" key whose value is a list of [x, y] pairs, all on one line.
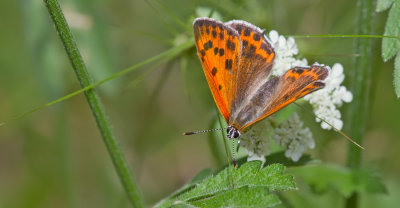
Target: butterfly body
{"points": [[237, 59]]}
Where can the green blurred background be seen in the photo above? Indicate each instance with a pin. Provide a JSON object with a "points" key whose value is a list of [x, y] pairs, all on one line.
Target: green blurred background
{"points": [[56, 158]]}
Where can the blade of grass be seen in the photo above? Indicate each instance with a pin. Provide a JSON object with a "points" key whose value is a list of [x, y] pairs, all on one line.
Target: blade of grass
{"points": [[360, 86], [94, 102], [166, 55], [341, 36]]}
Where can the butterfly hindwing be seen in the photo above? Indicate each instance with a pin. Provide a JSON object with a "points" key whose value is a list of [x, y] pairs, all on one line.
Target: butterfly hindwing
{"points": [[278, 92], [218, 47], [255, 63]]}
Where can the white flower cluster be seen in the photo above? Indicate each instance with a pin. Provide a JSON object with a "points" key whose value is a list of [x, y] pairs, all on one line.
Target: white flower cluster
{"points": [[326, 100], [255, 140], [284, 52], [292, 136]]}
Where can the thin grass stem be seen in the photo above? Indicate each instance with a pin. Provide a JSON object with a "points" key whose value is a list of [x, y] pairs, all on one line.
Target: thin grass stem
{"points": [[94, 102]]}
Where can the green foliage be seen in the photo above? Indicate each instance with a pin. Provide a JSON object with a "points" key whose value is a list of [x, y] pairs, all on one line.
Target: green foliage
{"points": [[382, 5], [241, 197], [391, 46], [247, 186], [344, 180], [125, 34]]}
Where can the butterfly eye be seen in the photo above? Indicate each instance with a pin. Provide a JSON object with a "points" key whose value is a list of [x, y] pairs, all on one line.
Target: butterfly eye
{"points": [[236, 134], [232, 132]]}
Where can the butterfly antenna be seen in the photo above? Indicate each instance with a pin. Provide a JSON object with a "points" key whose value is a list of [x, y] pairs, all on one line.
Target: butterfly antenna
{"points": [[202, 131], [337, 130]]}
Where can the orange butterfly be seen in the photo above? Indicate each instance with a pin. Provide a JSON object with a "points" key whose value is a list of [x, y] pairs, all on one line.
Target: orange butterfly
{"points": [[237, 60]]}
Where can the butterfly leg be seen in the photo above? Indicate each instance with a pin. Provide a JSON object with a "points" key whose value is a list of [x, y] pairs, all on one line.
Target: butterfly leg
{"points": [[233, 154]]}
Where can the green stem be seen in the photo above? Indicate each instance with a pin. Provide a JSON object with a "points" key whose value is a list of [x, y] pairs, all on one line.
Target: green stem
{"points": [[360, 86], [94, 102]]}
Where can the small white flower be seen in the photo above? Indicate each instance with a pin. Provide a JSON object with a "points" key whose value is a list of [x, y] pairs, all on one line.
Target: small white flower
{"points": [[255, 140], [292, 136], [252, 156], [284, 52], [326, 101]]}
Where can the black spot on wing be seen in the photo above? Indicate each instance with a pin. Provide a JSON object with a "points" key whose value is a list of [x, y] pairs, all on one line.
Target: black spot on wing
{"points": [[290, 79], [266, 47], [214, 71], [219, 87], [230, 45], [256, 37], [203, 52], [246, 32], [221, 35], [214, 34], [208, 45], [221, 52], [228, 64], [299, 71], [215, 50]]}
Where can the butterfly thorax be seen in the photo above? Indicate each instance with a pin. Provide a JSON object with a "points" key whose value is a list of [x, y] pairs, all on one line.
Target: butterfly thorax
{"points": [[232, 132]]}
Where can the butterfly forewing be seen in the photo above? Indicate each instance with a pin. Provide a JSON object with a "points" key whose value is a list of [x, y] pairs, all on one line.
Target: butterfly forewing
{"points": [[278, 92], [218, 47], [256, 59]]}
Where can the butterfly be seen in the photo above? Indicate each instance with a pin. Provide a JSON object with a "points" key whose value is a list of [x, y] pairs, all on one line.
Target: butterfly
{"points": [[237, 59]]}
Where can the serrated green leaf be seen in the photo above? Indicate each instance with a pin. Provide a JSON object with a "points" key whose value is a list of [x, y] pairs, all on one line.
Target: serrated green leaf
{"points": [[243, 197], [382, 5], [229, 182], [249, 174], [396, 75], [390, 46], [196, 180], [324, 177], [279, 157]]}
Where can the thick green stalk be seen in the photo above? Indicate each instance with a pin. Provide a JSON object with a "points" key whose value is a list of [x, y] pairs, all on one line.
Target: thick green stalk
{"points": [[94, 102], [360, 86]]}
